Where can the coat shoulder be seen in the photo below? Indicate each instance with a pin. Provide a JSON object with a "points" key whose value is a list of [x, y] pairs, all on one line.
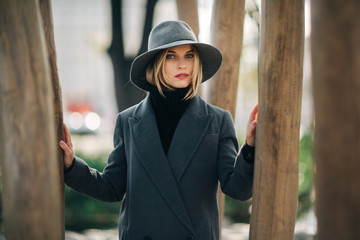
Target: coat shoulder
{"points": [[127, 112], [220, 116], [209, 108], [122, 120], [217, 112]]}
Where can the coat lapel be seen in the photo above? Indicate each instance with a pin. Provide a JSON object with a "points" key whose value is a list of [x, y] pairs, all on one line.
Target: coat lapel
{"points": [[147, 145], [187, 137]]}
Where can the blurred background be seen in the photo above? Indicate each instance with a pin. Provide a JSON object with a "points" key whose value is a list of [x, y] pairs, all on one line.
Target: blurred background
{"points": [[83, 37]]}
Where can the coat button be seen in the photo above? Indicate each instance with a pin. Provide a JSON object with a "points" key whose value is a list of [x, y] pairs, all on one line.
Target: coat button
{"points": [[189, 237]]}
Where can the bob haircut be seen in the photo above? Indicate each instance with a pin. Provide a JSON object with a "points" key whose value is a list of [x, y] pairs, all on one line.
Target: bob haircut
{"points": [[155, 74]]}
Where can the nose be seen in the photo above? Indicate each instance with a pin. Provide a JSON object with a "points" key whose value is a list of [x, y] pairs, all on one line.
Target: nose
{"points": [[181, 65]]}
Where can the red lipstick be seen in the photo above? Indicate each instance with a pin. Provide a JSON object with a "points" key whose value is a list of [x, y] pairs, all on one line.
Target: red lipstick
{"points": [[182, 75]]}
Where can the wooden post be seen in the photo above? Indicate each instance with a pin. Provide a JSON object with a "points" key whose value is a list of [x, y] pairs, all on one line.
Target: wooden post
{"points": [[30, 174], [275, 191], [188, 12], [48, 25], [227, 33], [335, 38]]}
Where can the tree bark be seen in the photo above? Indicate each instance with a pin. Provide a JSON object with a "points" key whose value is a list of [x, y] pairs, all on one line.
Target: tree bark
{"points": [[336, 83], [48, 25], [277, 135], [227, 33], [30, 174], [188, 12]]}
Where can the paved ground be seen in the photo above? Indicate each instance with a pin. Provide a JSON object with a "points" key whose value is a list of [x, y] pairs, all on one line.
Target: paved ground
{"points": [[235, 232], [305, 229]]}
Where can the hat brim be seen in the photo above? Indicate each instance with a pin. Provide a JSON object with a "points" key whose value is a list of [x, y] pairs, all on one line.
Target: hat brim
{"points": [[210, 57]]}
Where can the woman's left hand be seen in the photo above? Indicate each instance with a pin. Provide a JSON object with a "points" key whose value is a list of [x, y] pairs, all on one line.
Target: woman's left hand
{"points": [[251, 127]]}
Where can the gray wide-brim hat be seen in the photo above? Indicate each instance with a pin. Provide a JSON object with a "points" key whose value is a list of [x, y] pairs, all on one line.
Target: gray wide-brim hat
{"points": [[171, 34]]}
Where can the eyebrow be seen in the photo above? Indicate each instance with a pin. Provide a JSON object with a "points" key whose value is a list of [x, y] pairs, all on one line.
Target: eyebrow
{"points": [[171, 51]]}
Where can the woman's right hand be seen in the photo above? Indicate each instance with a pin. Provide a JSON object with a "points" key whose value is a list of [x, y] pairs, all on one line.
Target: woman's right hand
{"points": [[67, 146]]}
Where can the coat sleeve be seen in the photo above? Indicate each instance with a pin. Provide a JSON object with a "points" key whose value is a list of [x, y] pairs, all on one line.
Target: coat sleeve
{"points": [[235, 174], [110, 185]]}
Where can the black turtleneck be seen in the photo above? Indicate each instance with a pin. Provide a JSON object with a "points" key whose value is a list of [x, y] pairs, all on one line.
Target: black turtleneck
{"points": [[168, 111]]}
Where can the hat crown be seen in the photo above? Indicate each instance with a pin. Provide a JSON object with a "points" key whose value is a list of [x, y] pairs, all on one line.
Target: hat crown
{"points": [[170, 32]]}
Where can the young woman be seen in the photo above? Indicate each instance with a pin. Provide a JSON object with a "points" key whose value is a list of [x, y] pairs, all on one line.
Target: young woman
{"points": [[171, 149]]}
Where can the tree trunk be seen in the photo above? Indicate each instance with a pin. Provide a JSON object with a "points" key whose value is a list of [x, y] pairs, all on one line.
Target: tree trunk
{"points": [[127, 94], [336, 81], [277, 136], [227, 33], [30, 174], [188, 12], [47, 20], [148, 23]]}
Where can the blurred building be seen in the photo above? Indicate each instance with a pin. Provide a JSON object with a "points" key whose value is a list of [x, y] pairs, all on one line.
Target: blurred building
{"points": [[82, 37]]}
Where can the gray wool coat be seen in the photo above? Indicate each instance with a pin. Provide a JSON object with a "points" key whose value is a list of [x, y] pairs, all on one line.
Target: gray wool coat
{"points": [[174, 196]]}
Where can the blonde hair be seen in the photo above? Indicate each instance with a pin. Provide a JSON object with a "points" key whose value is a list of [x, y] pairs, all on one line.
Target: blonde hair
{"points": [[155, 74]]}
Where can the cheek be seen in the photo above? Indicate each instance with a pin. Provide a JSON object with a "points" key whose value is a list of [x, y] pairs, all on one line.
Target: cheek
{"points": [[191, 66], [167, 69]]}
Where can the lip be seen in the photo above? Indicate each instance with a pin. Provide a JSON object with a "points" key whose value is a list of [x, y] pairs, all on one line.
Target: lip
{"points": [[182, 75]]}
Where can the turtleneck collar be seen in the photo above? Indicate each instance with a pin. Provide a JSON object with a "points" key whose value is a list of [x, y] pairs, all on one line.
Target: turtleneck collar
{"points": [[172, 104]]}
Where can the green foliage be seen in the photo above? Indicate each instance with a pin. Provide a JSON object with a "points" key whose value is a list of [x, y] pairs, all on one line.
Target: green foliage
{"points": [[238, 211], [82, 212], [306, 177]]}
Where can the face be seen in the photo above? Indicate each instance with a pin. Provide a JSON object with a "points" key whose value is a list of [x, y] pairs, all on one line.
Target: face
{"points": [[179, 66]]}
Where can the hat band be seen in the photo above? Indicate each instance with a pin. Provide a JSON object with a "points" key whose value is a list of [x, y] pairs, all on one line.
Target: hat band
{"points": [[151, 46]]}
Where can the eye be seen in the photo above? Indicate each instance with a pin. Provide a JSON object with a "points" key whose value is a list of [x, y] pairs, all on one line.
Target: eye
{"points": [[170, 56], [190, 55]]}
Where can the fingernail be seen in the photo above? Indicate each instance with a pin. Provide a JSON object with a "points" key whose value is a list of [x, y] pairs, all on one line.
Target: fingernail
{"points": [[61, 142]]}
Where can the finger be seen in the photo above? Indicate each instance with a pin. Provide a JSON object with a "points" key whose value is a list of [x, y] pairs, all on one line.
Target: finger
{"points": [[254, 111], [67, 136], [253, 114], [253, 126], [251, 133], [65, 147], [68, 154]]}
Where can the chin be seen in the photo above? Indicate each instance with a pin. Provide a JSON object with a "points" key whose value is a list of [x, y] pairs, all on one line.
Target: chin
{"points": [[180, 85]]}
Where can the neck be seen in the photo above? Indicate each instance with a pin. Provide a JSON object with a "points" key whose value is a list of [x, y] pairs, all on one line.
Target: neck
{"points": [[172, 103]]}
